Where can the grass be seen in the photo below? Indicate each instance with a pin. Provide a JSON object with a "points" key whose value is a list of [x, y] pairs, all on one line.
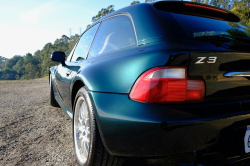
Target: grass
{"points": [[12, 81], [43, 78]]}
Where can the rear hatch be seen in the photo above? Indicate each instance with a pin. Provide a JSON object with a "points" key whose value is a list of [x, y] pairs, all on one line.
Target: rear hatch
{"points": [[226, 78], [219, 47]]}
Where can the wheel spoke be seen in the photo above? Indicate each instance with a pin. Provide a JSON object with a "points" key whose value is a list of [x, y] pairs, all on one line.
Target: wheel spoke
{"points": [[87, 146], [82, 129], [86, 121], [85, 151], [79, 120], [81, 111], [87, 130]]}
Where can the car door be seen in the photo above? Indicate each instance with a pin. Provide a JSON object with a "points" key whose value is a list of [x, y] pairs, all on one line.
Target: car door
{"points": [[65, 72]]}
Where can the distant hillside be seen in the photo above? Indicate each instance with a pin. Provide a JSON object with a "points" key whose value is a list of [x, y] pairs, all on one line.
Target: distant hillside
{"points": [[37, 65]]}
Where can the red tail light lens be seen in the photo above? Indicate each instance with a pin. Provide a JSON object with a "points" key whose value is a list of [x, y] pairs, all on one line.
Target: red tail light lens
{"points": [[167, 84]]}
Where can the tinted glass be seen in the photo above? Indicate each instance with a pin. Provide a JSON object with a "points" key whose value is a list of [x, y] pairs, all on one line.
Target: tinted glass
{"points": [[113, 34], [199, 26], [82, 48], [72, 52]]}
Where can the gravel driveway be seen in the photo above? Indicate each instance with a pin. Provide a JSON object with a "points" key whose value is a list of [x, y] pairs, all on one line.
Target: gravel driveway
{"points": [[31, 131], [34, 133]]}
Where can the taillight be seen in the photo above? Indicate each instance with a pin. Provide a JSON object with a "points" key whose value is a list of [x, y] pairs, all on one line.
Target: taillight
{"points": [[167, 84]]}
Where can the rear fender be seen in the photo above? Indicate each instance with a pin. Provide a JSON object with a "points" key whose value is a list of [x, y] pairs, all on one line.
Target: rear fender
{"points": [[86, 84]]}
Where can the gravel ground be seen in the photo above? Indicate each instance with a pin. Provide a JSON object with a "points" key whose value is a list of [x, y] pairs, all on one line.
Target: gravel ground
{"points": [[31, 131], [34, 133]]}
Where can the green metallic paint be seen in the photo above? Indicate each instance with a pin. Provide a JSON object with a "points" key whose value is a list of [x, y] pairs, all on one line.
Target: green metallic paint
{"points": [[123, 120], [148, 22], [117, 72]]}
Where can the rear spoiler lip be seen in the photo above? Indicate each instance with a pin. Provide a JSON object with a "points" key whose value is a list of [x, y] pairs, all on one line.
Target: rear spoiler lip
{"points": [[229, 16]]}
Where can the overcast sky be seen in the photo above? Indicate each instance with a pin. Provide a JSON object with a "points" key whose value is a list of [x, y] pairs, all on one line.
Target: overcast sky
{"points": [[27, 25]]}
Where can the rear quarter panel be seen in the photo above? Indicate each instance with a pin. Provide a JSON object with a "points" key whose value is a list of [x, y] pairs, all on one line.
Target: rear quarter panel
{"points": [[117, 72]]}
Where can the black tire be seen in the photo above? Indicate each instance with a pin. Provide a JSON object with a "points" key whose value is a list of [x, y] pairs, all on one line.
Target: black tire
{"points": [[97, 154], [52, 99]]}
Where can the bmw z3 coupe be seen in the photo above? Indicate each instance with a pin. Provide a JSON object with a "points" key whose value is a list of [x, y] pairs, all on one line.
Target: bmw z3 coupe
{"points": [[167, 81]]}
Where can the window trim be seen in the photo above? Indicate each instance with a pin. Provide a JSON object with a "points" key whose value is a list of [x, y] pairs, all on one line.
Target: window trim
{"points": [[73, 50], [90, 42], [115, 15]]}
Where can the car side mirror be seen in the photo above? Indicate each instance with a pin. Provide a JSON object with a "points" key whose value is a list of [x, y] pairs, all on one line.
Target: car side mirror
{"points": [[58, 57]]}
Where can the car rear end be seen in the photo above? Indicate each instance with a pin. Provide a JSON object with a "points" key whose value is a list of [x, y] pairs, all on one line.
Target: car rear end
{"points": [[219, 46], [198, 111]]}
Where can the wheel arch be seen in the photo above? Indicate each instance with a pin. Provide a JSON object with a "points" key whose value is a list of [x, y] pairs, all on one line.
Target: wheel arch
{"points": [[52, 71], [78, 84], [75, 88]]}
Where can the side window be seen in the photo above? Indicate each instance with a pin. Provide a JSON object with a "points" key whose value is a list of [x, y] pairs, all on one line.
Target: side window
{"points": [[83, 45], [72, 52], [114, 33]]}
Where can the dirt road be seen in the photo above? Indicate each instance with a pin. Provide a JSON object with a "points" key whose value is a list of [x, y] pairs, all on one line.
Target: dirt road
{"points": [[34, 133], [31, 131]]}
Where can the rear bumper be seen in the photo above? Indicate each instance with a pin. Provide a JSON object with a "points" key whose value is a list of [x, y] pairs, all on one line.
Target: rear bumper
{"points": [[134, 129]]}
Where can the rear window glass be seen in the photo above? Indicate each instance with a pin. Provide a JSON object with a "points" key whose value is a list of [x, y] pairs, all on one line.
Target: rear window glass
{"points": [[114, 33], [195, 26]]}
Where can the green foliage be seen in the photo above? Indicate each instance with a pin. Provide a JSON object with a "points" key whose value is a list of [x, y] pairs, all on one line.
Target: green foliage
{"points": [[88, 26], [11, 62], [240, 7], [19, 67], [8, 74], [37, 65], [2, 62], [103, 12], [134, 2]]}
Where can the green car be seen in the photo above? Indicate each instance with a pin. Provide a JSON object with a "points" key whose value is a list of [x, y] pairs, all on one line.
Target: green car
{"points": [[164, 82]]}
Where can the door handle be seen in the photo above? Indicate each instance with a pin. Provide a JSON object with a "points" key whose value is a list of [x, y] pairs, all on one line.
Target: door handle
{"points": [[68, 72], [237, 74]]}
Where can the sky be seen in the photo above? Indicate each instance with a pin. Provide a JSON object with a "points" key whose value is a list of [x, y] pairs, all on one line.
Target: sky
{"points": [[27, 25]]}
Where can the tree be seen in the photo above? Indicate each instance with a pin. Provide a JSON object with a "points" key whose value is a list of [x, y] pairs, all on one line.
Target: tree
{"points": [[134, 2], [19, 67], [242, 9], [8, 74], [31, 71], [239, 7], [11, 62], [103, 12], [28, 59], [37, 57], [2, 62], [30, 67]]}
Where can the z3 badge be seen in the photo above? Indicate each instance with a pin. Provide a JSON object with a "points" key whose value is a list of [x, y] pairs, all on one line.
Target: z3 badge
{"points": [[211, 59]]}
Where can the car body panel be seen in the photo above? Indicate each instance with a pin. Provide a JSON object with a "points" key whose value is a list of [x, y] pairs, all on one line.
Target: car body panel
{"points": [[58, 98], [118, 72], [169, 128], [64, 77]]}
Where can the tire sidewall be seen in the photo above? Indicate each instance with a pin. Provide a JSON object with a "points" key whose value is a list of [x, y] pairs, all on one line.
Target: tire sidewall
{"points": [[83, 92], [51, 89]]}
